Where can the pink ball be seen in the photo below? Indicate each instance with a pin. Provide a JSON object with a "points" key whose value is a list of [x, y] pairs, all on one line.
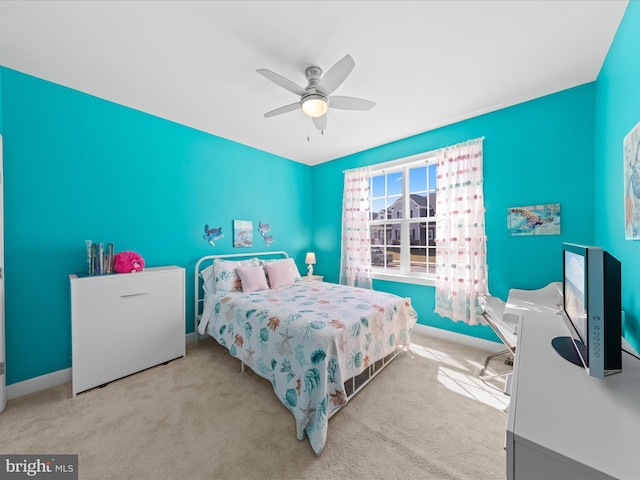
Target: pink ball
{"points": [[126, 262]]}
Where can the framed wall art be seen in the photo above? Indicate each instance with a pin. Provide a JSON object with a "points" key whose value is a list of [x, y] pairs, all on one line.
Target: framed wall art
{"points": [[632, 184], [242, 233], [534, 220]]}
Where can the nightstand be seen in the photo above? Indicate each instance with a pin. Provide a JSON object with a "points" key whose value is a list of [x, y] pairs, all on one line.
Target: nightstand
{"points": [[311, 278]]}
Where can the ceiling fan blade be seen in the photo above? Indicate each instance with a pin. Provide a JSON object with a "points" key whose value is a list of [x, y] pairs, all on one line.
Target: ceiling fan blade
{"points": [[281, 81], [278, 111], [320, 122], [350, 103], [336, 75]]}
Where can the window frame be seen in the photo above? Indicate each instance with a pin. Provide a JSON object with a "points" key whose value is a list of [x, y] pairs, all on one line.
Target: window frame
{"points": [[403, 165]]}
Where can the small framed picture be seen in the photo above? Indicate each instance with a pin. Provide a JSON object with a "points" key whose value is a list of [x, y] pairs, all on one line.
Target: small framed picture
{"points": [[242, 233], [534, 220]]}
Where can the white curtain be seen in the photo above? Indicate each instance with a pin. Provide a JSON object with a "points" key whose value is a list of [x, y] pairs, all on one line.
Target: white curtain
{"points": [[355, 261], [461, 266]]}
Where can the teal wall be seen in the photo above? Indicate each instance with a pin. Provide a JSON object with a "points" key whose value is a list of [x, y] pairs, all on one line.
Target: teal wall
{"points": [[536, 152], [77, 167], [0, 101], [617, 112]]}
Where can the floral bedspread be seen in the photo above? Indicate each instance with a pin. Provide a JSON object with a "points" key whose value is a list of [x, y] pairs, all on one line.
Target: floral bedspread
{"points": [[307, 339]]}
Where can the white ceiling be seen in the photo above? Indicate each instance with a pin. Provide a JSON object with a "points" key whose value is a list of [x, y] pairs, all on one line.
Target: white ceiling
{"points": [[425, 63]]}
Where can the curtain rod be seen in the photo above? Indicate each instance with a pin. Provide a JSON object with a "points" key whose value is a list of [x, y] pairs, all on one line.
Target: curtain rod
{"points": [[418, 156]]}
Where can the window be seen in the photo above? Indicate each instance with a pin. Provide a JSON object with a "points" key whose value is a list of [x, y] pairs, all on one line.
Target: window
{"points": [[403, 245]]}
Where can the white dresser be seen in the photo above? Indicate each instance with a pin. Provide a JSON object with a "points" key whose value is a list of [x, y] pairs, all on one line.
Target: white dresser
{"points": [[124, 323]]}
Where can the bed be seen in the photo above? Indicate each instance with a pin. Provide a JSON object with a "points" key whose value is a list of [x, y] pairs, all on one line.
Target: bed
{"points": [[318, 343]]}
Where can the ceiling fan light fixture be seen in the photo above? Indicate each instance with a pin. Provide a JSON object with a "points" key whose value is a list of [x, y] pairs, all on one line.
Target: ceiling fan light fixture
{"points": [[315, 105], [316, 98]]}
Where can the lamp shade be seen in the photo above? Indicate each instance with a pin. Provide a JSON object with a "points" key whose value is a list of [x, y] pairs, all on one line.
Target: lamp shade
{"points": [[311, 258]]}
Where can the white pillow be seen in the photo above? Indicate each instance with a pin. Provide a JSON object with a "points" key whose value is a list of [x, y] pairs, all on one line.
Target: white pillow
{"points": [[208, 279], [252, 278]]}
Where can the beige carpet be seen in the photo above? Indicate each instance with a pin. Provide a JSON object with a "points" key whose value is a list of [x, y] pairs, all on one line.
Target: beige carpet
{"points": [[425, 416]]}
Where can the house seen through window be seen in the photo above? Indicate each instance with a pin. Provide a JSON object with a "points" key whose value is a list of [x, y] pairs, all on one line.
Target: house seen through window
{"points": [[402, 219]]}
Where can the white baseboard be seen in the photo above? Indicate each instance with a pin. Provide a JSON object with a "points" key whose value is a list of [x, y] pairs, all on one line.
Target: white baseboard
{"points": [[36, 384], [32, 385], [460, 338], [53, 379]]}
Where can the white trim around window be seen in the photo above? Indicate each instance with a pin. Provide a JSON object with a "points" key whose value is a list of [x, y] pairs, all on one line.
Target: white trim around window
{"points": [[402, 272], [428, 280]]}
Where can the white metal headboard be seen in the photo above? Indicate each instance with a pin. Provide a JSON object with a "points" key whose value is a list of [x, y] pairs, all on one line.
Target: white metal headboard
{"points": [[204, 262]]}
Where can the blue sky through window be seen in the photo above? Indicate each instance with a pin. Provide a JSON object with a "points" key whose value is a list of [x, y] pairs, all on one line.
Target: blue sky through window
{"points": [[387, 188]]}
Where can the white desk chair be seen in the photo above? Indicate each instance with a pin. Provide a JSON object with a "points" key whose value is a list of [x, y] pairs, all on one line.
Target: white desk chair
{"points": [[505, 325]]}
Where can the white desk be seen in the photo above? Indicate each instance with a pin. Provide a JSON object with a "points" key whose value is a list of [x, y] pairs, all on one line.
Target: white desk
{"points": [[563, 423]]}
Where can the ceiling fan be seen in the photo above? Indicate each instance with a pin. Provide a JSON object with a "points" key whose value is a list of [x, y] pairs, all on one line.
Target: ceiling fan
{"points": [[316, 98]]}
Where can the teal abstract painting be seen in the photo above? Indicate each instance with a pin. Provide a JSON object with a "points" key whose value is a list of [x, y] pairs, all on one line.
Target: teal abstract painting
{"points": [[632, 184], [534, 220]]}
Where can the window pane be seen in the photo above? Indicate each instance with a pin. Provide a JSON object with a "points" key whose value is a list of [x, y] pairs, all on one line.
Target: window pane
{"points": [[383, 253], [431, 172], [431, 234], [418, 179], [382, 257], [394, 210], [431, 260], [431, 205], [377, 235], [392, 257], [418, 236], [418, 259], [378, 209], [431, 194], [393, 235], [377, 186], [387, 203], [418, 205], [394, 183]]}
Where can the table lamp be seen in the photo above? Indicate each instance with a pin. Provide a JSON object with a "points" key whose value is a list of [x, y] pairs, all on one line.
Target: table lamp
{"points": [[311, 261]]}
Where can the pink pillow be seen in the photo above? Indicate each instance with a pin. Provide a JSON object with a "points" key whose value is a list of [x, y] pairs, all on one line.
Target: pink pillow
{"points": [[252, 278], [280, 274]]}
